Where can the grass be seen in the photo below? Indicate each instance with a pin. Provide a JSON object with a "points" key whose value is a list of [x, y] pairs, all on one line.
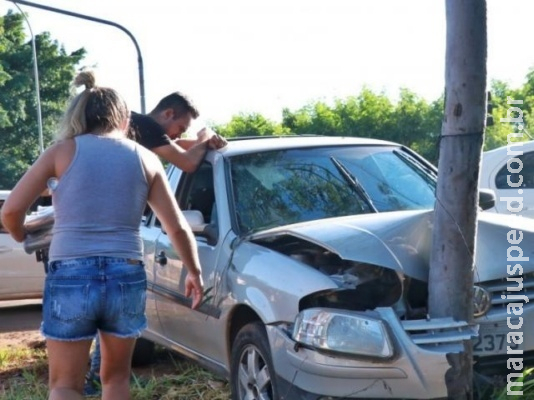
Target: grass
{"points": [[527, 388], [24, 374]]}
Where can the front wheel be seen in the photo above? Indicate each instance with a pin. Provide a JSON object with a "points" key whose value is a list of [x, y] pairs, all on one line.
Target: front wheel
{"points": [[252, 372]]}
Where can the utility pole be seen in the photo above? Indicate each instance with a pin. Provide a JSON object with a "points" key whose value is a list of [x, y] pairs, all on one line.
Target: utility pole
{"points": [[455, 216]]}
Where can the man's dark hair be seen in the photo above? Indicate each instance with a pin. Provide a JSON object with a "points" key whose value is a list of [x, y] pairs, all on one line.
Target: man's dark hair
{"points": [[180, 104]]}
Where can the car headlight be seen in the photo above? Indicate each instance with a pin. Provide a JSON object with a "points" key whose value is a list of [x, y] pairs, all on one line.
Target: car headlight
{"points": [[342, 331]]}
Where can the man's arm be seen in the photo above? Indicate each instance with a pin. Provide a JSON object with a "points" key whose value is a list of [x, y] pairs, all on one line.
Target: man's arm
{"points": [[186, 144], [187, 160], [214, 140], [187, 154]]}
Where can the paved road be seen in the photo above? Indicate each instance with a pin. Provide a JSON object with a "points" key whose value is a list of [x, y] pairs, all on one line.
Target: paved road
{"points": [[20, 315]]}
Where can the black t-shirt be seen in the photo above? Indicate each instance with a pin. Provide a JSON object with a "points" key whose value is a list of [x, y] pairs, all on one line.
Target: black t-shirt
{"points": [[147, 132]]}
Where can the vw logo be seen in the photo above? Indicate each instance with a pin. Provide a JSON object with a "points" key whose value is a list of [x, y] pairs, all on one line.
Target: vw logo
{"points": [[481, 301]]}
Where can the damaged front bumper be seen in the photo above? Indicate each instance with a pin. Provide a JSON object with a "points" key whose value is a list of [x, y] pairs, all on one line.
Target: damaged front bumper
{"points": [[417, 370]]}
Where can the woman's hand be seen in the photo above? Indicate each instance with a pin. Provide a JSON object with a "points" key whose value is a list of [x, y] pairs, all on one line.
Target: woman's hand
{"points": [[195, 287]]}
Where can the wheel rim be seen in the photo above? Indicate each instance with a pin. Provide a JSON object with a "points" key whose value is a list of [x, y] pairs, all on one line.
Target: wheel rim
{"points": [[254, 377]]}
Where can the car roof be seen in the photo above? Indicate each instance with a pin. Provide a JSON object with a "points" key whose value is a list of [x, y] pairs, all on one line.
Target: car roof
{"points": [[251, 144], [515, 146]]}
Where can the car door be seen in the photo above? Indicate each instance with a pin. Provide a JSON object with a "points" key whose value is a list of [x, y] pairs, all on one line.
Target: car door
{"points": [[513, 183], [193, 330], [21, 275], [150, 235]]}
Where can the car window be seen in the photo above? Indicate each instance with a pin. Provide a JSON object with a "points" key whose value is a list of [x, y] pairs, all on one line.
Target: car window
{"points": [[195, 191], [290, 186], [524, 178], [198, 193]]}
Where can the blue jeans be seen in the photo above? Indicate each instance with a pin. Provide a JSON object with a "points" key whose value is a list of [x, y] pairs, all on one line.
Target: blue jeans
{"points": [[84, 295]]}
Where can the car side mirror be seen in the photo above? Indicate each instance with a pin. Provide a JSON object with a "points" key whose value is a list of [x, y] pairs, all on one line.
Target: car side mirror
{"points": [[195, 219], [486, 199]]}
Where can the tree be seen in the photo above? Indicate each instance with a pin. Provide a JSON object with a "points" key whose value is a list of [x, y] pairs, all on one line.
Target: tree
{"points": [[250, 125], [410, 121], [496, 134], [454, 232], [19, 142]]}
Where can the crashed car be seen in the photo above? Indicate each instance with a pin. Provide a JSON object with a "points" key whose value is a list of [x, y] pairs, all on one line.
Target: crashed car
{"points": [[315, 254]]}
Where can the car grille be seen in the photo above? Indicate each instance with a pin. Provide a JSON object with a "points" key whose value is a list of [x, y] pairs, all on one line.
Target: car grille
{"points": [[439, 334], [499, 288]]}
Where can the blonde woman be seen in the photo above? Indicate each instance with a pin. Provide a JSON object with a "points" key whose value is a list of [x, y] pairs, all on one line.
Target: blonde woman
{"points": [[96, 282]]}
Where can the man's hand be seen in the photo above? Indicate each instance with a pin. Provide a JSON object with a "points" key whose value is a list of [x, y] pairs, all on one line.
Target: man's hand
{"points": [[214, 141], [204, 134], [217, 142], [194, 286]]}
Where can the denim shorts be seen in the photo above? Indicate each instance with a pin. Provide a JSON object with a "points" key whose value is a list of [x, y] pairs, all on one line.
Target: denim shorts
{"points": [[84, 295]]}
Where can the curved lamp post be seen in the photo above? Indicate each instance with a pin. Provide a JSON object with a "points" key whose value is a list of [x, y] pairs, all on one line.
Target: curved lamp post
{"points": [[36, 78], [102, 21]]}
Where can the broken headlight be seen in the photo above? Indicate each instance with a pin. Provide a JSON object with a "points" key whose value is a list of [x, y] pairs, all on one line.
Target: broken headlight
{"points": [[342, 332]]}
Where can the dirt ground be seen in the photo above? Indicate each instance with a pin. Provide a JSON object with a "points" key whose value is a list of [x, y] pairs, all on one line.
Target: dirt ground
{"points": [[19, 323], [20, 339], [19, 327]]}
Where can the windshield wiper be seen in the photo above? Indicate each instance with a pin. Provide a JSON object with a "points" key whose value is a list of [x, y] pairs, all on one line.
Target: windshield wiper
{"points": [[353, 181], [428, 174]]}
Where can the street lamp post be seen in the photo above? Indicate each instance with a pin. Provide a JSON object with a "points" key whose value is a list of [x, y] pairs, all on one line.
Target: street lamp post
{"points": [[36, 78], [102, 21]]}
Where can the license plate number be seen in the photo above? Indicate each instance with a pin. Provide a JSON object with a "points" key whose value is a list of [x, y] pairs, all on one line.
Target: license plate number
{"points": [[492, 341]]}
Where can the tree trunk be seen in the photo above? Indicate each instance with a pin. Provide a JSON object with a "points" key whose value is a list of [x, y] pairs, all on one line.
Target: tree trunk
{"points": [[453, 240]]}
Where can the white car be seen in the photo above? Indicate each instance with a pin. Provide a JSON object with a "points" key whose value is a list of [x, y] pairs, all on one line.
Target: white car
{"points": [[512, 181], [21, 275]]}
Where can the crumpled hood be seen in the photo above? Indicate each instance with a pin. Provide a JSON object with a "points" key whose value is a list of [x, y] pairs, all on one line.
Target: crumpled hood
{"points": [[402, 240]]}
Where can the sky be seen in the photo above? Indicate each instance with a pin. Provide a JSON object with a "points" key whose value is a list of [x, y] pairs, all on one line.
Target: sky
{"points": [[261, 56]]}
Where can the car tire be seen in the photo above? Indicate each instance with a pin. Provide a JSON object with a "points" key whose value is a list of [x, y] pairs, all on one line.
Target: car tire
{"points": [[143, 353], [252, 373]]}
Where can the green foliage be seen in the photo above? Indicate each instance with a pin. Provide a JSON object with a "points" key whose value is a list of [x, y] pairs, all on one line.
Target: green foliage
{"points": [[19, 129], [411, 121], [250, 125], [496, 134]]}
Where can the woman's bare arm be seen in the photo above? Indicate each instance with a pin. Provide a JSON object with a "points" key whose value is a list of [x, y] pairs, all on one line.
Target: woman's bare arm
{"points": [[25, 192]]}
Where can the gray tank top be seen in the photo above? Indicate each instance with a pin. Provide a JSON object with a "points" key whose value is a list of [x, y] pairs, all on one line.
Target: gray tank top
{"points": [[99, 201]]}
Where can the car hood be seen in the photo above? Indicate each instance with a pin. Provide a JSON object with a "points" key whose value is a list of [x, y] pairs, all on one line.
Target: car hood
{"points": [[402, 240]]}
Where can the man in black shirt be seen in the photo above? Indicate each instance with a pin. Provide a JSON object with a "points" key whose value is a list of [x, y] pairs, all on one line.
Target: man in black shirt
{"points": [[161, 131]]}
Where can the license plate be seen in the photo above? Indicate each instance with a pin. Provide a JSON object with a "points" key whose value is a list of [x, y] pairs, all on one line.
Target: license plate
{"points": [[492, 340]]}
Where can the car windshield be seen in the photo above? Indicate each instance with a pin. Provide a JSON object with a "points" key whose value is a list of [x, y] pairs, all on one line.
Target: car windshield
{"points": [[276, 188]]}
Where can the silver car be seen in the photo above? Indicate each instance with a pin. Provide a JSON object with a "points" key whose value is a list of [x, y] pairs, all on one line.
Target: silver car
{"points": [[315, 253]]}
